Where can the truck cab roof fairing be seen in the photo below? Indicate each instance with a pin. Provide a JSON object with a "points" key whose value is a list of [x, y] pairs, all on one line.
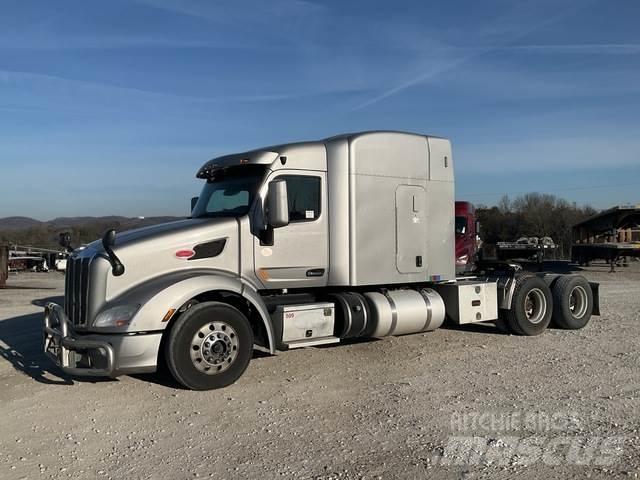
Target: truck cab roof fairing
{"points": [[254, 157], [270, 154]]}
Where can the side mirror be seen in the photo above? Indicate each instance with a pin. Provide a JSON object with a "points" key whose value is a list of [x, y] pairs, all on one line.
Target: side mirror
{"points": [[477, 226], [194, 200], [277, 204]]}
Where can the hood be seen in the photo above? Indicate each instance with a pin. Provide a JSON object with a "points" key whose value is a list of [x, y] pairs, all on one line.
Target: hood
{"points": [[164, 230], [150, 252]]}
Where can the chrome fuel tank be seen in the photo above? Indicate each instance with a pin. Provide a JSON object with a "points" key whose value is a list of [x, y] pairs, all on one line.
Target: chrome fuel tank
{"points": [[399, 312]]}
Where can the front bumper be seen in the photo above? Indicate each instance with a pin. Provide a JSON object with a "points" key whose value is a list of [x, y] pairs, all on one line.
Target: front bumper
{"points": [[97, 355]]}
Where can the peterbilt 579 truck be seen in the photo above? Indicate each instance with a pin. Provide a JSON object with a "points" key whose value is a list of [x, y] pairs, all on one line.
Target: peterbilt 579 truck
{"points": [[291, 246]]}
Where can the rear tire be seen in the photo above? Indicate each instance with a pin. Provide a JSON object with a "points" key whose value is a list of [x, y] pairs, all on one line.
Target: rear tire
{"points": [[572, 302], [209, 346], [531, 306]]}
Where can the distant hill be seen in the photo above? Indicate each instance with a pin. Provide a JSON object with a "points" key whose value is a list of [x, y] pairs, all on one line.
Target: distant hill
{"points": [[28, 231], [19, 223], [12, 223]]}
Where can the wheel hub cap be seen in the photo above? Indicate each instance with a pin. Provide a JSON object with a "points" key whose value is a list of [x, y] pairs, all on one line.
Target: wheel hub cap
{"points": [[578, 302], [535, 305], [214, 348]]}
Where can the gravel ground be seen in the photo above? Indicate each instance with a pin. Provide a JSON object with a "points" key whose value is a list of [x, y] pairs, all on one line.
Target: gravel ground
{"points": [[462, 403]]}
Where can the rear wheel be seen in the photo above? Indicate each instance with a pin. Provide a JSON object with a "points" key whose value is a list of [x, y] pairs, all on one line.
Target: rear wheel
{"points": [[572, 302], [531, 306], [209, 346]]}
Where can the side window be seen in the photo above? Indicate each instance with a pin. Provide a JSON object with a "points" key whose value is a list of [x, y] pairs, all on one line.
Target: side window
{"points": [[304, 197]]}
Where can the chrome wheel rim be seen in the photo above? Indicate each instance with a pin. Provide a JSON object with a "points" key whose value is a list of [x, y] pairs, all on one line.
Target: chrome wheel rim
{"points": [[214, 348], [578, 302], [535, 305]]}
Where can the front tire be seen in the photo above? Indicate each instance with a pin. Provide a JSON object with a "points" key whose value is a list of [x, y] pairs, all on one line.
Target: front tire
{"points": [[209, 346]]}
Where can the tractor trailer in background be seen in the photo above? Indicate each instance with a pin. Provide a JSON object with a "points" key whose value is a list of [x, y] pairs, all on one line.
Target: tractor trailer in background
{"points": [[290, 246], [611, 235]]}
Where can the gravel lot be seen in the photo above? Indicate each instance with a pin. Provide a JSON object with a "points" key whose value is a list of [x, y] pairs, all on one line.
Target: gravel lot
{"points": [[565, 404]]}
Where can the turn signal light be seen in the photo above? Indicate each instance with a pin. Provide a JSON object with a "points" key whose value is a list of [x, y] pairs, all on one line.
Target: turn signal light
{"points": [[168, 315]]}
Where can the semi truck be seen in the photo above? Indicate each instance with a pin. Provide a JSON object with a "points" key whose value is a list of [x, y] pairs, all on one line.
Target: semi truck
{"points": [[291, 246]]}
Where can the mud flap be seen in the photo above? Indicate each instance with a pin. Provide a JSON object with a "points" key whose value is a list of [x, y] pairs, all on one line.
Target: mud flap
{"points": [[595, 290]]}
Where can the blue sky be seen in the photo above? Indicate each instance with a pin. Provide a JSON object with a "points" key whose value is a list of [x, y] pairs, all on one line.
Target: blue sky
{"points": [[111, 107]]}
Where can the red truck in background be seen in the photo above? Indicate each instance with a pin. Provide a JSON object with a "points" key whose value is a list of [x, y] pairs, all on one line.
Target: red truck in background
{"points": [[466, 237]]}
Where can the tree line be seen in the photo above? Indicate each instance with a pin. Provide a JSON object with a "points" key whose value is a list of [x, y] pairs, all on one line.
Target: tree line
{"points": [[532, 215]]}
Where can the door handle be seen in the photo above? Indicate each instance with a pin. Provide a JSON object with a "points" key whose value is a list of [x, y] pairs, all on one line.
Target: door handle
{"points": [[315, 272]]}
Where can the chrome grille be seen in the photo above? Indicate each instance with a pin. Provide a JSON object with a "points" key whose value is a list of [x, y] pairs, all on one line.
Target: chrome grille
{"points": [[77, 290]]}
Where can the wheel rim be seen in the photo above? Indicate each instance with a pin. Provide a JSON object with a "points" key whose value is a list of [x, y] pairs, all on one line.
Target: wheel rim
{"points": [[578, 302], [535, 305], [214, 348]]}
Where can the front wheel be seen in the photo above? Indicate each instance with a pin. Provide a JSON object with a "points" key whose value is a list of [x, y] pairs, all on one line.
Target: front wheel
{"points": [[209, 346]]}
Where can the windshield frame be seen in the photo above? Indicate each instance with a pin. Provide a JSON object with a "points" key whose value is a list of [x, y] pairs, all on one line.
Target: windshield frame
{"points": [[250, 176]]}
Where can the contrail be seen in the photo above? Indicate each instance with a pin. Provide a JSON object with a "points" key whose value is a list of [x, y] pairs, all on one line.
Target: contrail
{"points": [[430, 74]]}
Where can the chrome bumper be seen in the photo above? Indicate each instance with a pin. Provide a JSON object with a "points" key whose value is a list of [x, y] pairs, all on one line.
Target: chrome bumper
{"points": [[73, 354]]}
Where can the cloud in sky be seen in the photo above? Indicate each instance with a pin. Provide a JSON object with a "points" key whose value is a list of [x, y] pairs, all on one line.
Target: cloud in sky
{"points": [[154, 87]]}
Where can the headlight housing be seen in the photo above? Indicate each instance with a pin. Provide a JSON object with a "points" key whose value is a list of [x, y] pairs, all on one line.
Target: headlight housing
{"points": [[118, 316]]}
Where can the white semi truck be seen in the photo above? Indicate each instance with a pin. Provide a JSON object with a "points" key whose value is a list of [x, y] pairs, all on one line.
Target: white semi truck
{"points": [[292, 246]]}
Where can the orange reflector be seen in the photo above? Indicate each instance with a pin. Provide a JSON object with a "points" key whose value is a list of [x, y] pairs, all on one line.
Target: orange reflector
{"points": [[169, 314], [121, 323]]}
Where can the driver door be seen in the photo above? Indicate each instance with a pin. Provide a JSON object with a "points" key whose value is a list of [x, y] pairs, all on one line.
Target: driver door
{"points": [[299, 255]]}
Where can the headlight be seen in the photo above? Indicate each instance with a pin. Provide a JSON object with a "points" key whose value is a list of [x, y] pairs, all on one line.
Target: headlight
{"points": [[116, 316], [462, 259]]}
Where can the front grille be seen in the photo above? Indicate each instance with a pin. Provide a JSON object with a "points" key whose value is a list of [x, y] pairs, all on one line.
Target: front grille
{"points": [[76, 290]]}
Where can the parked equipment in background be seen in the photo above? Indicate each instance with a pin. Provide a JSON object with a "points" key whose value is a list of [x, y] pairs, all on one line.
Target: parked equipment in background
{"points": [[612, 235], [61, 264], [22, 263], [526, 248], [470, 250], [288, 246], [4, 264], [37, 259]]}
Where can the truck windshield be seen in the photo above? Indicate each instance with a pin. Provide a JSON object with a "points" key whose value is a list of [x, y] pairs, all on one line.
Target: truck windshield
{"points": [[230, 192], [461, 225]]}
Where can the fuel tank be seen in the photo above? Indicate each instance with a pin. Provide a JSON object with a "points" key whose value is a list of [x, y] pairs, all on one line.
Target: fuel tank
{"points": [[400, 312]]}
